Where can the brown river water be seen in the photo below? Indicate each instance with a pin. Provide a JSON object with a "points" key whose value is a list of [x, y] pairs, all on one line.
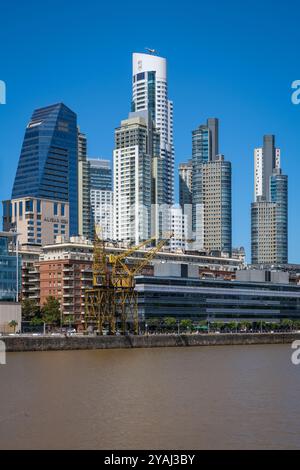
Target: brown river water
{"points": [[222, 397]]}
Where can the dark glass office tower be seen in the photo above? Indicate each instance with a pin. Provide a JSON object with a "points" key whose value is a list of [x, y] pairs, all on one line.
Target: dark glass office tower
{"points": [[48, 162]]}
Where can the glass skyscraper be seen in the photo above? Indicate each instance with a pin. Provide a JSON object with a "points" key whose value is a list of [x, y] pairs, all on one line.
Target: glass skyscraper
{"points": [[100, 174], [47, 166]]}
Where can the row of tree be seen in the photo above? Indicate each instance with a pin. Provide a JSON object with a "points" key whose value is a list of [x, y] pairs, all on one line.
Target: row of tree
{"points": [[50, 313], [171, 324]]}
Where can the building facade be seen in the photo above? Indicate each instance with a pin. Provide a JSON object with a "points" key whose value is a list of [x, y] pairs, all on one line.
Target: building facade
{"points": [[101, 197], [185, 184], [216, 190], [269, 211], [48, 167], [64, 271], [84, 205], [211, 191], [102, 203], [150, 93], [135, 144], [38, 221], [215, 300], [10, 282]]}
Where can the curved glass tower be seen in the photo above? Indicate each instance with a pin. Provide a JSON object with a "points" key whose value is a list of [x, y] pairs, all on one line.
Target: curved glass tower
{"points": [[47, 166]]}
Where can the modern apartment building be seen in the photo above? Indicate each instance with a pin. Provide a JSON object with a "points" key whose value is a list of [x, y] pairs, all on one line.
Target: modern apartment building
{"points": [[136, 144], [101, 196], [64, 271], [102, 204], [211, 191], [150, 93], [216, 190], [269, 211], [48, 164], [84, 204]]}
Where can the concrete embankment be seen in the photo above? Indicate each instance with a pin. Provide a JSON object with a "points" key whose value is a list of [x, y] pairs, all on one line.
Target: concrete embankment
{"points": [[56, 343]]}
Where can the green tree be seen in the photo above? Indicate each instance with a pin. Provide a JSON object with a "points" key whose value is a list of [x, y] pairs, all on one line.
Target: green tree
{"points": [[51, 312], [186, 324], [217, 325], [286, 324], [30, 310], [170, 322], [153, 323], [13, 324]]}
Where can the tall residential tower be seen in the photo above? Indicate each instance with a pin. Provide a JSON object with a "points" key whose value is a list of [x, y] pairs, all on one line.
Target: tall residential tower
{"points": [[150, 93], [211, 191], [269, 211]]}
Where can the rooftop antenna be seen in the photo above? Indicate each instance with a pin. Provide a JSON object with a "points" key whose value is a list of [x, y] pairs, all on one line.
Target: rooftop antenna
{"points": [[151, 51]]}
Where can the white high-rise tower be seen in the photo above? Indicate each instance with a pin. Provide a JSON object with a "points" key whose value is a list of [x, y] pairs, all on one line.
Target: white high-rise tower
{"points": [[150, 92]]}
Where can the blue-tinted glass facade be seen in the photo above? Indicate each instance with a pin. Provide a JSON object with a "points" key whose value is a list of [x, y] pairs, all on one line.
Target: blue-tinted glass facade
{"points": [[48, 163], [279, 194], [200, 154], [226, 230], [8, 271], [100, 175]]}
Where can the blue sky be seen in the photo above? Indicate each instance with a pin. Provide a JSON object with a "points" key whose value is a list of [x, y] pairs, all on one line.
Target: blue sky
{"points": [[227, 59]]}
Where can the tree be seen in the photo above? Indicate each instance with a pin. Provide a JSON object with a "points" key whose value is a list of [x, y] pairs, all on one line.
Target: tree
{"points": [[217, 325], [153, 323], [286, 324], [170, 322], [30, 310], [13, 324], [186, 324], [51, 312]]}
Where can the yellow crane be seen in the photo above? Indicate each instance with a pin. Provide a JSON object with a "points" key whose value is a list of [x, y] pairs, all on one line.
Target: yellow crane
{"points": [[113, 296]]}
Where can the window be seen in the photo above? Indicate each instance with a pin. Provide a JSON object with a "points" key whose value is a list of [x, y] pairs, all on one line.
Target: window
{"points": [[38, 205], [20, 209], [140, 76], [29, 206], [55, 208], [62, 209]]}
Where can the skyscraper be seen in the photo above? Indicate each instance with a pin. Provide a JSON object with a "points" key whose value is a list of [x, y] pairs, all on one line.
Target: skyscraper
{"points": [[150, 93], [216, 189], [269, 211], [136, 142], [84, 205], [211, 190], [47, 167], [101, 197], [101, 174]]}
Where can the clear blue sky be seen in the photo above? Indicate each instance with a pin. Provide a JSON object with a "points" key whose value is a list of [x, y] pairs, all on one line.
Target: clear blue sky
{"points": [[227, 59]]}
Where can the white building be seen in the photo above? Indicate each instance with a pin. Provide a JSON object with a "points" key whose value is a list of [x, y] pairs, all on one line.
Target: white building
{"points": [[260, 168], [179, 230], [102, 206], [150, 92], [132, 180]]}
